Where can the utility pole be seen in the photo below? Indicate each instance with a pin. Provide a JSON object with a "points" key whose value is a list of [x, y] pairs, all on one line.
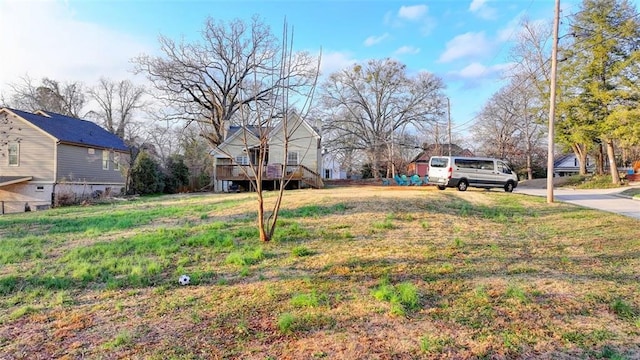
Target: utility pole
{"points": [[393, 167], [438, 152], [449, 116], [552, 102]]}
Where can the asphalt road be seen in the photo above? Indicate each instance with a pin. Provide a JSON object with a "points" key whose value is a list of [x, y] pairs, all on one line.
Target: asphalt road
{"points": [[601, 199]]}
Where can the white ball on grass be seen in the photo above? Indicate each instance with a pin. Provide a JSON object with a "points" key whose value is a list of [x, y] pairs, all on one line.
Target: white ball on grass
{"points": [[184, 280]]}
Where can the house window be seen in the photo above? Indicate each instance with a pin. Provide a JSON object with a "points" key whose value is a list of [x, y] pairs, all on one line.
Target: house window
{"points": [[116, 161], [292, 158], [14, 154], [242, 160], [327, 173], [39, 188], [105, 160]]}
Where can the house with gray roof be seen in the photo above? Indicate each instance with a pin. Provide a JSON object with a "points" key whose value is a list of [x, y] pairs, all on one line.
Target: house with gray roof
{"points": [[48, 159]]}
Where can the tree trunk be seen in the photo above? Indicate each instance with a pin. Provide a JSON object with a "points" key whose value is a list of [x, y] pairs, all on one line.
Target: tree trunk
{"points": [[613, 167], [375, 166], [529, 166], [264, 235], [600, 163], [580, 151]]}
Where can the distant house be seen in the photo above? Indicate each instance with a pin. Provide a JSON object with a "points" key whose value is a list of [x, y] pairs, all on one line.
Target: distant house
{"points": [[420, 164], [568, 165], [302, 163], [47, 157], [331, 167]]}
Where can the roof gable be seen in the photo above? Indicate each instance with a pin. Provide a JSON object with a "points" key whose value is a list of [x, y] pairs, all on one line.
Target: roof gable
{"points": [[72, 130], [253, 134], [294, 123]]}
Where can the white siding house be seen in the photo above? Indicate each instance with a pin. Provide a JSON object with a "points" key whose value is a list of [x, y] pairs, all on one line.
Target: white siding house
{"points": [[302, 163], [568, 165]]}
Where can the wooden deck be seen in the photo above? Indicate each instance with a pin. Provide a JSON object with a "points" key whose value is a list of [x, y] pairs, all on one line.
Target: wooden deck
{"points": [[272, 173]]}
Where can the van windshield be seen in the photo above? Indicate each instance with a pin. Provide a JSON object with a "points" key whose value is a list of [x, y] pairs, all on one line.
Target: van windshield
{"points": [[439, 162]]}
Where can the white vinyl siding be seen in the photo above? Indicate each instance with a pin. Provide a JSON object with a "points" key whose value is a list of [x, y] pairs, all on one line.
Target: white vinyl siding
{"points": [[14, 154]]}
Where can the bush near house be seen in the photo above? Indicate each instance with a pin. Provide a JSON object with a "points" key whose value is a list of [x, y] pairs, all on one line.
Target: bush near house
{"points": [[146, 177]]}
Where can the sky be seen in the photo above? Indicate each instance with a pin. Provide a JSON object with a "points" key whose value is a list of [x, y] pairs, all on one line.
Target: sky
{"points": [[464, 42]]}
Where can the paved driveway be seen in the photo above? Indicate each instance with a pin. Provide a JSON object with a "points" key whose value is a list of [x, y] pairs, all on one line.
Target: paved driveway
{"points": [[600, 199]]}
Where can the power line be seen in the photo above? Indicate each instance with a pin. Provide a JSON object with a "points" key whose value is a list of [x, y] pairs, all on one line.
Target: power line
{"points": [[546, 62]]}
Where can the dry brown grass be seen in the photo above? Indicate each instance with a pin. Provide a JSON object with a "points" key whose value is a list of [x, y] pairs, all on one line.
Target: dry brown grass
{"points": [[498, 276]]}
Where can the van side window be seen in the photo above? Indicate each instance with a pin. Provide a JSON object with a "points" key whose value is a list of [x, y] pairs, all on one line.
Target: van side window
{"points": [[503, 168], [486, 165], [466, 163]]}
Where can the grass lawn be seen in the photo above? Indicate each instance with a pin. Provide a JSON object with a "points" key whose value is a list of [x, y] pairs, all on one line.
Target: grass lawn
{"points": [[353, 273], [633, 192]]}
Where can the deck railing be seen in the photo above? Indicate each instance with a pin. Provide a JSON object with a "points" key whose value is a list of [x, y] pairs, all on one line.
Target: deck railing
{"points": [[230, 172]]}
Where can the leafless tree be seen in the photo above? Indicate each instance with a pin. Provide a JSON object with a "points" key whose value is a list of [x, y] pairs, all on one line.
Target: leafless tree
{"points": [[273, 123], [237, 74], [50, 95], [118, 102], [531, 56], [495, 128], [368, 105], [235, 66]]}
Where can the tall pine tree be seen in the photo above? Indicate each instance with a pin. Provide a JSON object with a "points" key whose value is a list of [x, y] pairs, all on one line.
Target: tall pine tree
{"points": [[599, 91]]}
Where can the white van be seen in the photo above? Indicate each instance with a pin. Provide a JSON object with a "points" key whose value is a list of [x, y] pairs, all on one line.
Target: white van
{"points": [[462, 172]]}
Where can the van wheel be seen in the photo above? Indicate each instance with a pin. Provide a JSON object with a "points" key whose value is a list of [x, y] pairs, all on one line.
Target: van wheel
{"points": [[508, 187], [462, 185], [441, 187]]}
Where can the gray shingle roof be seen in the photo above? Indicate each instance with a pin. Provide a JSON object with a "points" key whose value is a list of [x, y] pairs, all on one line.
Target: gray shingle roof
{"points": [[72, 130]]}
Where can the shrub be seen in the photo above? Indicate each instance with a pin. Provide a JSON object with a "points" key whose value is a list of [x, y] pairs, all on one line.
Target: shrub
{"points": [[176, 175], [146, 177]]}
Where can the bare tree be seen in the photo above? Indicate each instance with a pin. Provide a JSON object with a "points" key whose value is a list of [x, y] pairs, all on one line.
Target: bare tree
{"points": [[118, 102], [495, 128], [237, 74], [368, 104], [272, 123], [531, 56], [50, 95], [231, 69]]}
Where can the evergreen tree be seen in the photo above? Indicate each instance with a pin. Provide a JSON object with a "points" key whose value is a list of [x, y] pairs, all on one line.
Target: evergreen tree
{"points": [[177, 174], [146, 177], [599, 94]]}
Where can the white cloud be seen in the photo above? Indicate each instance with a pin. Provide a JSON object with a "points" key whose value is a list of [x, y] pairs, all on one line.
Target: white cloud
{"points": [[410, 50], [510, 31], [476, 75], [484, 11], [475, 71], [414, 12], [44, 39], [335, 61], [467, 44], [373, 40], [476, 5]]}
